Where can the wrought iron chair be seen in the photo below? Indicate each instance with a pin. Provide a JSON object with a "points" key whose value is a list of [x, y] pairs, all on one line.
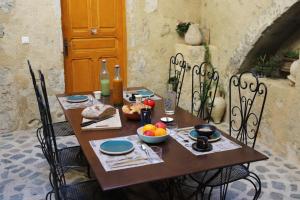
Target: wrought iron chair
{"points": [[205, 82], [60, 128], [177, 69], [60, 190], [247, 97], [69, 157]]}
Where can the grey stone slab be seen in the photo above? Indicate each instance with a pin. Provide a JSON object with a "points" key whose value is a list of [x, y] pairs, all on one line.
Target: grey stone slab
{"points": [[1, 188], [20, 141], [30, 160], [281, 171], [17, 197], [11, 167], [37, 191], [28, 151], [19, 188], [4, 174], [262, 169], [278, 185], [5, 161], [294, 187], [273, 176], [17, 156], [231, 194], [25, 173], [35, 175], [251, 193], [38, 181], [264, 185], [290, 166], [40, 155], [295, 196], [297, 172], [239, 185], [272, 164], [18, 169], [5, 155], [276, 196], [7, 135], [7, 146], [268, 153]]}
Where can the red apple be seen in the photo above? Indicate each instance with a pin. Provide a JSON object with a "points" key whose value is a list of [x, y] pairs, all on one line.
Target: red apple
{"points": [[149, 102], [149, 133], [160, 125]]}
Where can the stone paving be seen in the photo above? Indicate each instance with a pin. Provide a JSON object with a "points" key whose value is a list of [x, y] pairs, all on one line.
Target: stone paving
{"points": [[24, 171]]}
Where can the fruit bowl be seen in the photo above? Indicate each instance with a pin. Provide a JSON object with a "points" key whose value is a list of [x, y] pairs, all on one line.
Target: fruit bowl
{"points": [[134, 116], [152, 139]]}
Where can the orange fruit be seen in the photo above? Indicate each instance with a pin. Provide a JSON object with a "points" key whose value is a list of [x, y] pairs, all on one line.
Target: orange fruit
{"points": [[149, 127], [160, 132]]}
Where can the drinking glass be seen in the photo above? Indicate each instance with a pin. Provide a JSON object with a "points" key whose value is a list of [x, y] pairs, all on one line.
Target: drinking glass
{"points": [[170, 101], [157, 150]]}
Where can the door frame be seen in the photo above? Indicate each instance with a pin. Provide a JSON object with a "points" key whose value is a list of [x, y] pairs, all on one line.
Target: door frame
{"points": [[66, 44]]}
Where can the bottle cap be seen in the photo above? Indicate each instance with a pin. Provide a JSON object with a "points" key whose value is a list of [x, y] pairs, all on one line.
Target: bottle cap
{"points": [[103, 60], [117, 66]]}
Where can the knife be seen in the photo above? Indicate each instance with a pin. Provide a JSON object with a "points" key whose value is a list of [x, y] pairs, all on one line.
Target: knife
{"points": [[84, 124]]}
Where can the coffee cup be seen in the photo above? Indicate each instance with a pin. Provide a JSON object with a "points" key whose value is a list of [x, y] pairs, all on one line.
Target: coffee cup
{"points": [[202, 142]]}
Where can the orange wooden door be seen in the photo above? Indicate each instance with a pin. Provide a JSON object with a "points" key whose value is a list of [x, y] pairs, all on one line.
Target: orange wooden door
{"points": [[93, 30]]}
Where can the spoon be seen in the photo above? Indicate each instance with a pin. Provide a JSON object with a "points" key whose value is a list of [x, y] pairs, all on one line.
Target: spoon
{"points": [[144, 148]]}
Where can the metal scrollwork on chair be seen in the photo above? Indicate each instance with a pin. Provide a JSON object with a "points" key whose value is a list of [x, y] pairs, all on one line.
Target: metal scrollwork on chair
{"points": [[205, 82], [244, 117], [177, 69]]}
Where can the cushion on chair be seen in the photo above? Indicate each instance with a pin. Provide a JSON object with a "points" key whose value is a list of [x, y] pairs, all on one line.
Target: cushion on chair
{"points": [[214, 178]]}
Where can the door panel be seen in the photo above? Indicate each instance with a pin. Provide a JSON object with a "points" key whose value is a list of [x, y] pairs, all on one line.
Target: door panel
{"points": [[93, 29], [82, 75]]}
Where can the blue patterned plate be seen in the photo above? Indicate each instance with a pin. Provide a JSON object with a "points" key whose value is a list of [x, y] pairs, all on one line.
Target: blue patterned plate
{"points": [[77, 98], [116, 147], [214, 137], [145, 93]]}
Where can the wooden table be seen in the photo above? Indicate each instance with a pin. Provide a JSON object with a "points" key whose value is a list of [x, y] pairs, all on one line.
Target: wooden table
{"points": [[177, 160]]}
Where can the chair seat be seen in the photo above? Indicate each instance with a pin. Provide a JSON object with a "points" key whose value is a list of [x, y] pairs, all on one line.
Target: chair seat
{"points": [[215, 178], [89, 190], [81, 191], [62, 128], [72, 157]]}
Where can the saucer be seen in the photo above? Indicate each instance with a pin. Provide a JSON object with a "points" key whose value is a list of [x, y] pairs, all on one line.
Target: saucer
{"points": [[209, 148], [166, 119], [214, 137]]}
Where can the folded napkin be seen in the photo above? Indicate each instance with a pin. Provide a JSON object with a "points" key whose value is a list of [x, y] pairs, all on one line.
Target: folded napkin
{"points": [[98, 111]]}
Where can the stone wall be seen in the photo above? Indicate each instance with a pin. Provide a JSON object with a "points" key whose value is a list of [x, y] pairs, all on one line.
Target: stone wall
{"points": [[40, 20], [151, 37]]}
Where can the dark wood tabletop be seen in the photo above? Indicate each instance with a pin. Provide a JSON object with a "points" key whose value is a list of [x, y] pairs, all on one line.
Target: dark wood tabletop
{"points": [[178, 161]]}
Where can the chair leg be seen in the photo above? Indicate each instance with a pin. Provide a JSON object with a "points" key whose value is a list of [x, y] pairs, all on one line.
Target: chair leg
{"points": [[210, 192], [256, 187]]}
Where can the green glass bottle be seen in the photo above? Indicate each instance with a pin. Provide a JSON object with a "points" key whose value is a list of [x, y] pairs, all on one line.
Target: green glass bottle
{"points": [[104, 80]]}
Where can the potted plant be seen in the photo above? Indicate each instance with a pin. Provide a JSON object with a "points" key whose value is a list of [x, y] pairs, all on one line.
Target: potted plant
{"points": [[267, 66], [288, 58], [182, 28]]}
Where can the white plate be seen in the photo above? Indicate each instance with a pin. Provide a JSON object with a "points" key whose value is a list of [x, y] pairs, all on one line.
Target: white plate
{"points": [[166, 119]]}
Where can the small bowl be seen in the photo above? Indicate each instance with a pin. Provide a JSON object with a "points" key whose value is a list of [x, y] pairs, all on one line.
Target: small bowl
{"points": [[205, 129], [134, 116], [152, 139]]}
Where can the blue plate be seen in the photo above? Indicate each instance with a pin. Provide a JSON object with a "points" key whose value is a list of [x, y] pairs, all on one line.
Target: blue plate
{"points": [[77, 98], [145, 93], [116, 147], [214, 137]]}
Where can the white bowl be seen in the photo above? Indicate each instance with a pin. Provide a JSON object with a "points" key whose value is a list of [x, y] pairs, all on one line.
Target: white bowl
{"points": [[152, 139]]}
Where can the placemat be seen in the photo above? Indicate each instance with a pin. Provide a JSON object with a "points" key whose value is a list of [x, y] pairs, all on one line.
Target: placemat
{"points": [[136, 158], [127, 95], [67, 105], [224, 144]]}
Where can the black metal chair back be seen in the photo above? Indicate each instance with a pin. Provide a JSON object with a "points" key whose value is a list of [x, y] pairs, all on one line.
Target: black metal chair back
{"points": [[48, 144], [47, 111], [247, 97], [177, 71], [205, 82]]}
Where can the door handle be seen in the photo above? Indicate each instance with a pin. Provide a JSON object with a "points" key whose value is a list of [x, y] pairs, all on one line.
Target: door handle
{"points": [[94, 31], [66, 47]]}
